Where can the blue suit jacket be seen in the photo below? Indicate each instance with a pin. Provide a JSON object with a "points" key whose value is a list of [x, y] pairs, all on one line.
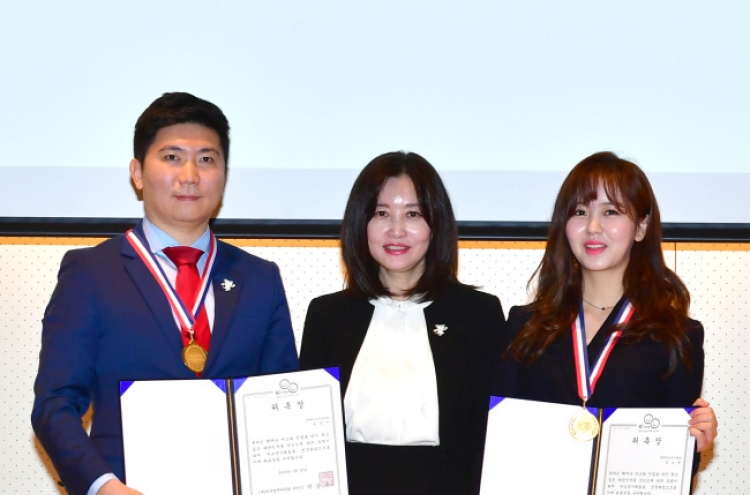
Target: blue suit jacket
{"points": [[108, 320]]}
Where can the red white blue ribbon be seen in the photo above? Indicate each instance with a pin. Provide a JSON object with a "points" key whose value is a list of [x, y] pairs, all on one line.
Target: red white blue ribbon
{"points": [[586, 377], [184, 315]]}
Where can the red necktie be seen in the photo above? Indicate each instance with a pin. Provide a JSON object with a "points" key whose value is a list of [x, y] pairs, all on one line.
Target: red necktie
{"points": [[187, 285]]}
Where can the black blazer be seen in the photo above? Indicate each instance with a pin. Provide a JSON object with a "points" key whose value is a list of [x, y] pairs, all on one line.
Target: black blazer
{"points": [[634, 375], [464, 357]]}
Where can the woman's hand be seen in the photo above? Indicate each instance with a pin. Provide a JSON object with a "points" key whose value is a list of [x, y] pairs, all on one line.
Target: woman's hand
{"points": [[703, 424]]}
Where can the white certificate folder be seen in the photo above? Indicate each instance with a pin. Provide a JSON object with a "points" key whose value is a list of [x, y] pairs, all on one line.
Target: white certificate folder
{"points": [[530, 449], [262, 435]]}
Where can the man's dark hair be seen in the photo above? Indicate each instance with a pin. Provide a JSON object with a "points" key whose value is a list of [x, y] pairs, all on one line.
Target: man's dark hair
{"points": [[178, 108]]}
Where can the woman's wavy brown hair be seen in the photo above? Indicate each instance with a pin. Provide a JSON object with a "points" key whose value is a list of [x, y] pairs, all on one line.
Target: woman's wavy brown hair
{"points": [[660, 298]]}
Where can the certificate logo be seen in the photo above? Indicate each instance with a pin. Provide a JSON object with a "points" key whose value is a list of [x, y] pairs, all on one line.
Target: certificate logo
{"points": [[650, 421], [287, 387]]}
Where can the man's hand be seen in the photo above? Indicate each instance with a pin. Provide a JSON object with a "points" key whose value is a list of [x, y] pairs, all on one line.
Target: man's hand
{"points": [[115, 487]]}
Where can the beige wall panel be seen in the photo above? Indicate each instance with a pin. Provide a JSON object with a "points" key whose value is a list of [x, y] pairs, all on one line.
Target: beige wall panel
{"points": [[27, 278], [717, 276]]}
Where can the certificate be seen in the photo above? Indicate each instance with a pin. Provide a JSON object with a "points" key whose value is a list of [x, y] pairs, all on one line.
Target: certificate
{"points": [[268, 434], [531, 448], [646, 450]]}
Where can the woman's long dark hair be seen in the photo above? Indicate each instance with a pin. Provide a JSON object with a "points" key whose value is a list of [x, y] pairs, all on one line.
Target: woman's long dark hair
{"points": [[441, 259], [660, 298]]}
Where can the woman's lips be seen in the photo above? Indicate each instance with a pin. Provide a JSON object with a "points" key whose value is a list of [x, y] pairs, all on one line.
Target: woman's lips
{"points": [[395, 249], [594, 247]]}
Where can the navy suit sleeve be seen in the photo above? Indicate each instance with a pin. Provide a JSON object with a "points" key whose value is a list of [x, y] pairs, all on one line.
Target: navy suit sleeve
{"points": [[63, 384], [280, 351], [687, 381]]}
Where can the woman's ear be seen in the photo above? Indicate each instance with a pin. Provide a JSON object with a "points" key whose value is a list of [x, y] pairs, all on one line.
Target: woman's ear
{"points": [[640, 232]]}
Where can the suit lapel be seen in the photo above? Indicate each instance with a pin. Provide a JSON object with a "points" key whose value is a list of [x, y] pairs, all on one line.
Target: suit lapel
{"points": [[354, 327], [442, 350], [446, 357], [227, 282], [153, 297]]}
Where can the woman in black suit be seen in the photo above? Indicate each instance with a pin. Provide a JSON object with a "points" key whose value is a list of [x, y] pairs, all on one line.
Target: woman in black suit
{"points": [[414, 346], [603, 283]]}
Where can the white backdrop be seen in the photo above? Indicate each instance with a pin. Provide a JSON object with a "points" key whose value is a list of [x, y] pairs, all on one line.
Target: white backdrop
{"points": [[503, 98]]}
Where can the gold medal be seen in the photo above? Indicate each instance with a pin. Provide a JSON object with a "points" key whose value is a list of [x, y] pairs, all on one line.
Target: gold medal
{"points": [[194, 356], [584, 426]]}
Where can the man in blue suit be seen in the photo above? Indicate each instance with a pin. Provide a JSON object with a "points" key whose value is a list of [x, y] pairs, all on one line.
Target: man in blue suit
{"points": [[115, 313]]}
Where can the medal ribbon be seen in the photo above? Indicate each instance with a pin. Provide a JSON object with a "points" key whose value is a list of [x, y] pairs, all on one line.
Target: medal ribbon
{"points": [[186, 317], [587, 377]]}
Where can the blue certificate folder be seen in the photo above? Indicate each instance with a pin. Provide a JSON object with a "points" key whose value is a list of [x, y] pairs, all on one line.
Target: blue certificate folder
{"points": [[258, 435], [530, 449]]}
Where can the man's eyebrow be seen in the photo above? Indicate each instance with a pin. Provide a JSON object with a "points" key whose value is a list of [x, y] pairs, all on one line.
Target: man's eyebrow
{"points": [[175, 147], [210, 149], [172, 147]]}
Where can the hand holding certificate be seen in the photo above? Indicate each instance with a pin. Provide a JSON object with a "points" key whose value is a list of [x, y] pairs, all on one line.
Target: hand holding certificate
{"points": [[259, 435], [533, 448], [647, 448]]}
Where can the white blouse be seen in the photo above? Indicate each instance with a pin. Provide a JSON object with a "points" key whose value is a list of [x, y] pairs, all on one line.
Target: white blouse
{"points": [[392, 395]]}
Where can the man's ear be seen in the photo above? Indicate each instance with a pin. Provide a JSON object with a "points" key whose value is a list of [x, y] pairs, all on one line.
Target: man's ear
{"points": [[640, 232], [136, 174]]}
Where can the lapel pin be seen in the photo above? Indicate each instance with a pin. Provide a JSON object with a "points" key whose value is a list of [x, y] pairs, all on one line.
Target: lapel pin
{"points": [[440, 329], [227, 285]]}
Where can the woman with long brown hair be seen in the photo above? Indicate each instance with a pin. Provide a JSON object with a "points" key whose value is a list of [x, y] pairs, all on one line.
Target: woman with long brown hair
{"points": [[603, 282]]}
